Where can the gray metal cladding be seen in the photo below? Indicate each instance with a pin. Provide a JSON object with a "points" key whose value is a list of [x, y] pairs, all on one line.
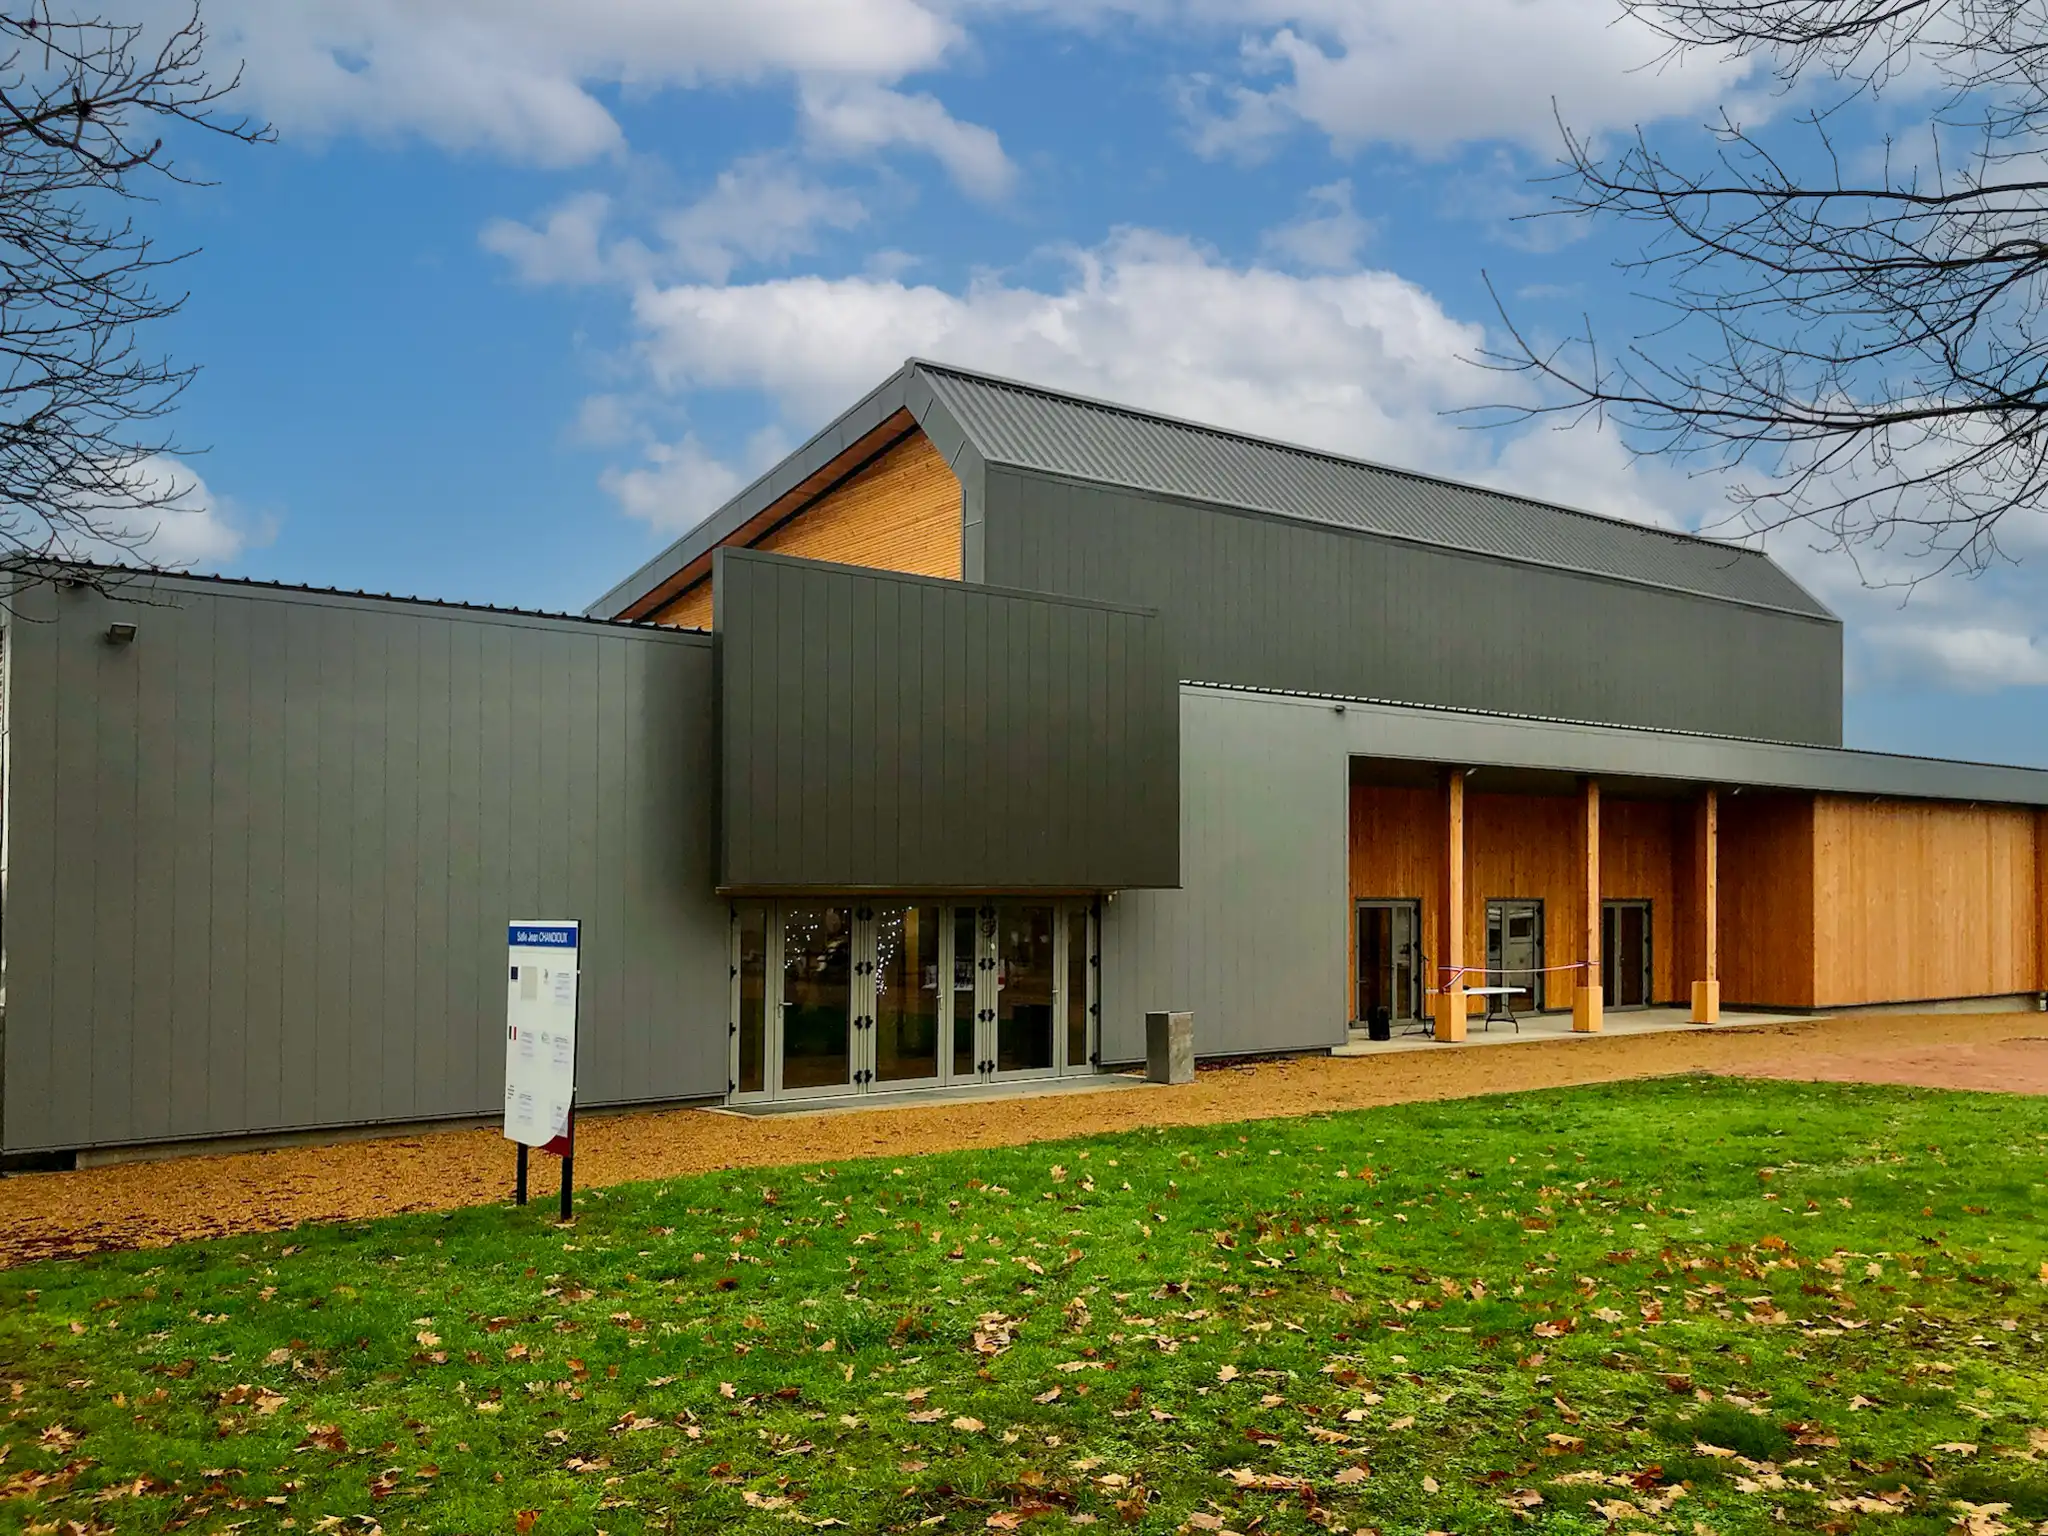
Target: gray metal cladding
{"points": [[1254, 940], [262, 858], [1274, 602], [1052, 433], [881, 731]]}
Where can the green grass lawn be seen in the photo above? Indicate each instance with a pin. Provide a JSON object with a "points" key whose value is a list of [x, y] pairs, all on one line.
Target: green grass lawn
{"points": [[1688, 1305]]}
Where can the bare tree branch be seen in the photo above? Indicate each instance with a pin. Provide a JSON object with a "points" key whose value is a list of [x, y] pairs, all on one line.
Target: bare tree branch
{"points": [[1866, 348], [84, 105]]}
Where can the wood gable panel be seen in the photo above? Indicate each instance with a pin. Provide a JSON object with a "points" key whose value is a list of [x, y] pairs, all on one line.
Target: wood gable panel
{"points": [[898, 512]]}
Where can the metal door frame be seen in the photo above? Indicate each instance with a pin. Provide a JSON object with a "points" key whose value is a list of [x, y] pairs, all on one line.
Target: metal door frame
{"points": [[1608, 948], [944, 1077], [1412, 907], [990, 1052], [1496, 922], [862, 1006], [1091, 917]]}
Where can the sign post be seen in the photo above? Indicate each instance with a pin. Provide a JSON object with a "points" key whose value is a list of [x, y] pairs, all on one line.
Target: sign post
{"points": [[540, 1043]]}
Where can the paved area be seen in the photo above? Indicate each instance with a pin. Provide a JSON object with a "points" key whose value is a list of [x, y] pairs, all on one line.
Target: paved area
{"points": [[150, 1204], [1558, 1026]]}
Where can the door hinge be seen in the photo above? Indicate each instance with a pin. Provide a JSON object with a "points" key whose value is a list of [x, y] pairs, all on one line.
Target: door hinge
{"points": [[731, 1086], [732, 1029]]}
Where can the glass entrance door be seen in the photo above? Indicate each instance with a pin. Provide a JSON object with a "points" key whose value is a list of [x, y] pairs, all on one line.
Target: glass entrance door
{"points": [[910, 994], [1625, 953], [1514, 950], [1390, 960], [1026, 979], [832, 998], [817, 1048]]}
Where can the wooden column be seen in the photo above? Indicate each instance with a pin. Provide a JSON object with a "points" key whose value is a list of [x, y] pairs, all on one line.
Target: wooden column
{"points": [[1706, 898], [2041, 899], [1450, 977], [1587, 995]]}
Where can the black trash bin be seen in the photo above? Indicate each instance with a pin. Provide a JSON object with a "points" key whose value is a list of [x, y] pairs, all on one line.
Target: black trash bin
{"points": [[1379, 1024]]}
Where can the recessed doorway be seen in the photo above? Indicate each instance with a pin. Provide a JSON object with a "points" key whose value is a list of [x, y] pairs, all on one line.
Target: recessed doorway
{"points": [[1514, 950], [1625, 953], [833, 997], [1389, 961]]}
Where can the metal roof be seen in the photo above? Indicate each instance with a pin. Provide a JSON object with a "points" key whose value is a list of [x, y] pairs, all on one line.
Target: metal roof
{"points": [[1071, 435], [1381, 728]]}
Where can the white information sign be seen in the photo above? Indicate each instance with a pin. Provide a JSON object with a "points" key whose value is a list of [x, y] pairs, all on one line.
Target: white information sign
{"points": [[540, 1030]]}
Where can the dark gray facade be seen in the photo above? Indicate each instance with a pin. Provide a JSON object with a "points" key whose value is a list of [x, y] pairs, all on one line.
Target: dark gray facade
{"points": [[260, 859], [888, 732], [1275, 602]]}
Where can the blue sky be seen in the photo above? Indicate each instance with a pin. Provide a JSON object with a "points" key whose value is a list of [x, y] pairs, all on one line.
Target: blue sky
{"points": [[525, 289]]}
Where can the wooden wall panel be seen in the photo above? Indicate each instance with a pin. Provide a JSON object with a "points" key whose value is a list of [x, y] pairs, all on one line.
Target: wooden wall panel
{"points": [[1766, 909], [1917, 900], [1644, 849], [1396, 850], [899, 513], [1526, 847]]}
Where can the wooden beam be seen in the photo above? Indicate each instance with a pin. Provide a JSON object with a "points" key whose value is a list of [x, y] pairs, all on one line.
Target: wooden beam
{"points": [[1706, 901], [1588, 995], [1450, 977]]}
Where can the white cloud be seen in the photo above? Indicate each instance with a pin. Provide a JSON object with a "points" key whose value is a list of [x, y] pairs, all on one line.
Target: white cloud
{"points": [[567, 247], [762, 209], [862, 118], [520, 78], [1434, 76], [1360, 362], [677, 487], [175, 521], [1327, 238], [1973, 658]]}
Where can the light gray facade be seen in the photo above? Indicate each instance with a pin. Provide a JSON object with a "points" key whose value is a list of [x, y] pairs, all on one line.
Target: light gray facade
{"points": [[1282, 603], [888, 732], [1253, 942], [261, 857]]}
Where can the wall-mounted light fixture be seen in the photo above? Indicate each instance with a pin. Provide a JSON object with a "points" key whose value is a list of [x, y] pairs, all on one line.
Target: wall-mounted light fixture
{"points": [[120, 634]]}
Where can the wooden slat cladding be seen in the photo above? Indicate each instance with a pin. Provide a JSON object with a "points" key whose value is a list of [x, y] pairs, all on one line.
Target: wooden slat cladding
{"points": [[901, 512], [1766, 900], [1397, 853], [1919, 900], [1639, 861]]}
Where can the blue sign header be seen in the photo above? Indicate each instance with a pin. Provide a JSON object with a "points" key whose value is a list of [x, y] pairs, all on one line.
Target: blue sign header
{"points": [[541, 936]]}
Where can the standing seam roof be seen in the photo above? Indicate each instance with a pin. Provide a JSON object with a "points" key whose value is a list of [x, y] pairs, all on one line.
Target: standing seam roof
{"points": [[1031, 428]]}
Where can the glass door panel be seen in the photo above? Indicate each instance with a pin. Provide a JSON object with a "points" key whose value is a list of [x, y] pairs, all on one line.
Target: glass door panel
{"points": [[1625, 953], [908, 1003], [1389, 959], [750, 1018], [1075, 998], [817, 998], [1514, 950], [966, 953], [1024, 988]]}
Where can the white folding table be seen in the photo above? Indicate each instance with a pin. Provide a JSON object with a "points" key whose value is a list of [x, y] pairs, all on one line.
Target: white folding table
{"points": [[1502, 1009]]}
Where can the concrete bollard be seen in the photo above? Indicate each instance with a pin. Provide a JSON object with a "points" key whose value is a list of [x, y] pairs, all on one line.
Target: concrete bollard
{"points": [[1169, 1047]]}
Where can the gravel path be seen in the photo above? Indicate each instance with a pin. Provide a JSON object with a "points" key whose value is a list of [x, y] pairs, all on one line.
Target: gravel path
{"points": [[154, 1203]]}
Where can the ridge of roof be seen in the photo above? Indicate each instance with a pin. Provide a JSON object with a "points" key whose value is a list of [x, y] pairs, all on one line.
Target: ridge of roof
{"points": [[1325, 455]]}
